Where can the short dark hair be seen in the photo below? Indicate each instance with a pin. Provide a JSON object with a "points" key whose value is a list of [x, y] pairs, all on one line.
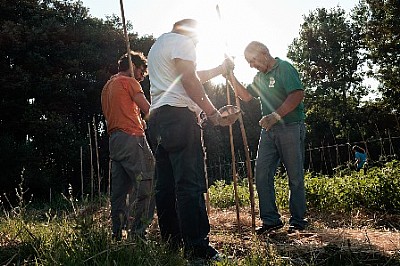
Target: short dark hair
{"points": [[358, 149], [137, 58]]}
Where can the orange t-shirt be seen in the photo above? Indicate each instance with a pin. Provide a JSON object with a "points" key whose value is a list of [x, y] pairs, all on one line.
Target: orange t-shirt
{"points": [[119, 108]]}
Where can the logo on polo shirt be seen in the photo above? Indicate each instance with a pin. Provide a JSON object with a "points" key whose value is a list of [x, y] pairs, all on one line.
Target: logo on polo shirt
{"points": [[271, 82]]}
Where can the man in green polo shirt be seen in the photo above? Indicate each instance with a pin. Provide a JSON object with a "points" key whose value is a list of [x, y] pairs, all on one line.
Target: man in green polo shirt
{"points": [[278, 86]]}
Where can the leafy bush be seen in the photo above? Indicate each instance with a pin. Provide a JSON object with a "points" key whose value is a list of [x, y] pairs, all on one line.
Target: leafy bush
{"points": [[222, 195], [376, 190]]}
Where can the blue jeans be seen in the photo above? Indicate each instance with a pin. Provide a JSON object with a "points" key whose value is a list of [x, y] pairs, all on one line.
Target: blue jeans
{"points": [[283, 142], [180, 178]]}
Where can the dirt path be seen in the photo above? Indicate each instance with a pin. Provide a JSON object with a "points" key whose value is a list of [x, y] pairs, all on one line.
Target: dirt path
{"points": [[369, 240]]}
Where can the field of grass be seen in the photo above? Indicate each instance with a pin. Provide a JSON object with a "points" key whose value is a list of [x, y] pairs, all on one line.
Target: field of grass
{"points": [[354, 220]]}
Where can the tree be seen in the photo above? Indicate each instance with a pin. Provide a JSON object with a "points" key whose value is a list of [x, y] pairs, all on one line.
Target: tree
{"points": [[378, 21], [54, 60], [327, 55]]}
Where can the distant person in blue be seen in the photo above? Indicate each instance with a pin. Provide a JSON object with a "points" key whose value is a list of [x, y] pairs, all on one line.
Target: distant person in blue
{"points": [[360, 156]]}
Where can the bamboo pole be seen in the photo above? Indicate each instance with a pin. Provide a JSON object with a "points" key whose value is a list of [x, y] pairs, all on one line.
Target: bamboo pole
{"points": [[363, 140], [97, 159], [208, 205], [381, 142], [310, 163], [248, 166], [391, 148], [91, 165], [234, 172], [128, 46], [81, 155], [109, 178]]}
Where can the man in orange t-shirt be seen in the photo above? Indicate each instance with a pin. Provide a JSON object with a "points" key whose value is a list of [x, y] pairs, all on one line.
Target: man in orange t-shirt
{"points": [[132, 168]]}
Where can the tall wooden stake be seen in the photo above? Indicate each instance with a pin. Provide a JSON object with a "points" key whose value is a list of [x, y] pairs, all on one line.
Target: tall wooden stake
{"points": [[208, 205], [81, 153], [128, 46], [109, 178], [97, 159], [234, 172], [91, 165], [248, 167]]}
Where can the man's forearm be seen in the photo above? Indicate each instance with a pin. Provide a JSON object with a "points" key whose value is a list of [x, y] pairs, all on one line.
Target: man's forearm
{"points": [[196, 92], [206, 75], [240, 90], [291, 102]]}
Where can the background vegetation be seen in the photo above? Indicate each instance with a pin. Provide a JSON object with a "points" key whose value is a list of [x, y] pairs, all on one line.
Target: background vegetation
{"points": [[55, 58], [72, 232]]}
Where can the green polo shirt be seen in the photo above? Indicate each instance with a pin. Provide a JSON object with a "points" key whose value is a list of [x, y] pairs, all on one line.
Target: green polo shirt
{"points": [[273, 87]]}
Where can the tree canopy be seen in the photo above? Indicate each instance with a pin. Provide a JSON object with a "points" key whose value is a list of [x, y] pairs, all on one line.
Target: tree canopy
{"points": [[378, 21], [55, 59], [327, 54]]}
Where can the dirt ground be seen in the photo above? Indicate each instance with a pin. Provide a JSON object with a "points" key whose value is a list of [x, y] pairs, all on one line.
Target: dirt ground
{"points": [[330, 239]]}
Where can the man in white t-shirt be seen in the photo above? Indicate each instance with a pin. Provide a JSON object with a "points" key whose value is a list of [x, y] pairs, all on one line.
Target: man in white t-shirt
{"points": [[177, 98]]}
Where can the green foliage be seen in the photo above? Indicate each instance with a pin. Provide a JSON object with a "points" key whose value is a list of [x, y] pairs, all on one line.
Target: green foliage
{"points": [[327, 56], [80, 235], [74, 239], [263, 255], [222, 195], [376, 190], [378, 22], [54, 60]]}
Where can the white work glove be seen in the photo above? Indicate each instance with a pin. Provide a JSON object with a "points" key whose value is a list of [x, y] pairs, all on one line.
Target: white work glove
{"points": [[268, 121], [218, 120], [228, 66]]}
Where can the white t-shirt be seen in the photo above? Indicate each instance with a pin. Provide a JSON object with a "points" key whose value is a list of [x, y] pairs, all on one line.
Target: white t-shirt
{"points": [[165, 84]]}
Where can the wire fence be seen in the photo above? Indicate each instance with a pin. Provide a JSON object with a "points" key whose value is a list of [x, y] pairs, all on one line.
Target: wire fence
{"points": [[325, 159]]}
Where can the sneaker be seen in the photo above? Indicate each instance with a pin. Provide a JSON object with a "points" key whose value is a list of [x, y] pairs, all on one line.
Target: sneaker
{"points": [[267, 228], [293, 228], [204, 253]]}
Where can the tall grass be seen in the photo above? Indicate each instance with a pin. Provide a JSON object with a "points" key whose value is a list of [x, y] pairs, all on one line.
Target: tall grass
{"points": [[71, 232]]}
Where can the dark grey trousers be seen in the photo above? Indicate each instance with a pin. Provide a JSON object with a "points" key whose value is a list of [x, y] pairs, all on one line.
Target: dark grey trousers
{"points": [[180, 178], [132, 172]]}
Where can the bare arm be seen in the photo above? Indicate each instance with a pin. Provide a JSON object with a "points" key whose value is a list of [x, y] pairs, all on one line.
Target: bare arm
{"points": [[239, 88], [142, 102], [206, 75], [192, 85], [291, 102]]}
